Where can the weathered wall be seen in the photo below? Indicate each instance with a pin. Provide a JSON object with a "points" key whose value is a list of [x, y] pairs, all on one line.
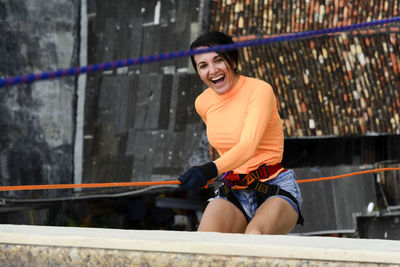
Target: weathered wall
{"points": [[329, 206], [37, 120], [149, 137], [140, 122]]}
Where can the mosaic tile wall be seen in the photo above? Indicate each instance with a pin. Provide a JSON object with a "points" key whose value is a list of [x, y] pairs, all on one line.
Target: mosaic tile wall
{"points": [[343, 84]]}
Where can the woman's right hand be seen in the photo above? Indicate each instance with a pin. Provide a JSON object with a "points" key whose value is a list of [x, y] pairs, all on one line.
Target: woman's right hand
{"points": [[197, 176]]}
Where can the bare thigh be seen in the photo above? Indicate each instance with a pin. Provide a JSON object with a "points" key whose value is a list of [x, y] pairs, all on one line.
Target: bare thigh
{"points": [[274, 216], [222, 216]]}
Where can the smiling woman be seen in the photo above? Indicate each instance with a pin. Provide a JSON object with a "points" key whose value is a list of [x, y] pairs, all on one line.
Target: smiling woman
{"points": [[258, 196]]}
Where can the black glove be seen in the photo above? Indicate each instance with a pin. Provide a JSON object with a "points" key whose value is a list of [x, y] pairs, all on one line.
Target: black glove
{"points": [[197, 176]]}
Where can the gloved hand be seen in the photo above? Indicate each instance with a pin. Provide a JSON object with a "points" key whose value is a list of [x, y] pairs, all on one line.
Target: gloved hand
{"points": [[197, 176]]}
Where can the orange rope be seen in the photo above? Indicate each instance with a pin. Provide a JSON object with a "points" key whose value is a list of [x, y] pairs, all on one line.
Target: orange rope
{"points": [[91, 185], [346, 175], [94, 185]]}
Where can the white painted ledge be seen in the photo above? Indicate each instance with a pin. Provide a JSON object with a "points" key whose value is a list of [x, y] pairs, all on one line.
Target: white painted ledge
{"points": [[285, 247]]}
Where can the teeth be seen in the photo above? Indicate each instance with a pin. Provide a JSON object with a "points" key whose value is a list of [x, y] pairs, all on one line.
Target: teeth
{"points": [[217, 78]]}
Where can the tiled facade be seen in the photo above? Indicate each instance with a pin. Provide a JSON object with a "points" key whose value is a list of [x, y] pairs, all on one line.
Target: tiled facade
{"points": [[333, 85]]}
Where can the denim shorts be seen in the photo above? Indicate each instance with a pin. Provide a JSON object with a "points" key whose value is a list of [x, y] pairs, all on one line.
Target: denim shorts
{"points": [[248, 199]]}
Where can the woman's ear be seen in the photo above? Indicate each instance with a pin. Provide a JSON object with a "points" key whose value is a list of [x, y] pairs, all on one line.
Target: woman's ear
{"points": [[234, 66]]}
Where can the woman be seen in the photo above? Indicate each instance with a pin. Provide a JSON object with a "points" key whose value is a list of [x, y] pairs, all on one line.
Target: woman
{"points": [[258, 196]]}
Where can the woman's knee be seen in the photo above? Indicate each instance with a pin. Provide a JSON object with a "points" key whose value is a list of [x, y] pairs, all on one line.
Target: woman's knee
{"points": [[254, 230], [275, 216], [257, 227], [222, 216]]}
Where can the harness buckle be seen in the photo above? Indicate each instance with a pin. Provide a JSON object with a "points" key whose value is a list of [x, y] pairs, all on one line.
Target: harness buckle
{"points": [[263, 172]]}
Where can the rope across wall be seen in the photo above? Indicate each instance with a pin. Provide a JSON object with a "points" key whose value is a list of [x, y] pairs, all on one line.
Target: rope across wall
{"points": [[175, 182], [29, 78]]}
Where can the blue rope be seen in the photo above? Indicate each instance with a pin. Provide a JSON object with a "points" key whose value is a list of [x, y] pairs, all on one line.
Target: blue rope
{"points": [[186, 53]]}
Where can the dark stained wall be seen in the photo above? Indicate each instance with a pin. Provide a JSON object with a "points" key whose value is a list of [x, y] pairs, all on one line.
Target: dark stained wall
{"points": [[140, 122], [330, 206], [37, 120]]}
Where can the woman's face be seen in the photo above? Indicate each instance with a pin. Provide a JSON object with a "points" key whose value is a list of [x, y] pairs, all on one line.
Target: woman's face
{"points": [[215, 72]]}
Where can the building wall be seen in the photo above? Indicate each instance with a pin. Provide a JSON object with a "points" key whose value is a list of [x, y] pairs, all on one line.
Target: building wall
{"points": [[333, 85], [140, 122], [37, 120]]}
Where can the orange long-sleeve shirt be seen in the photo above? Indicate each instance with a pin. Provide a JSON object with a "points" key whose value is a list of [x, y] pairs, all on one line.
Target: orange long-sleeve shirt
{"points": [[243, 125]]}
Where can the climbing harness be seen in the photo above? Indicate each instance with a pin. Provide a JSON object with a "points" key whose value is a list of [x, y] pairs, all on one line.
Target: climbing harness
{"points": [[253, 180]]}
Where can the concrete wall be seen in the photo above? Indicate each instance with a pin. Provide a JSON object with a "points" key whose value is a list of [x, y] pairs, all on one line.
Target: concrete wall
{"points": [[140, 122], [329, 207], [37, 120]]}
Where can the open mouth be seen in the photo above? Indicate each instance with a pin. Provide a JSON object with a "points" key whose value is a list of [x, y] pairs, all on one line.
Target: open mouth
{"points": [[218, 80]]}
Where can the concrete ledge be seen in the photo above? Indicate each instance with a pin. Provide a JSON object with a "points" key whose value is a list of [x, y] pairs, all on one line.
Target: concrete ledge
{"points": [[42, 246]]}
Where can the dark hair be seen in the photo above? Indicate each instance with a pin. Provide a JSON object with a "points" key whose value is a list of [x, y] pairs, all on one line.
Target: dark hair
{"points": [[216, 38]]}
